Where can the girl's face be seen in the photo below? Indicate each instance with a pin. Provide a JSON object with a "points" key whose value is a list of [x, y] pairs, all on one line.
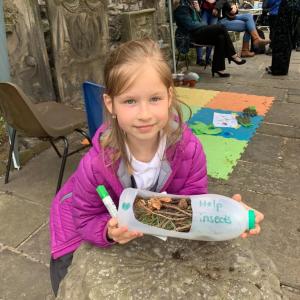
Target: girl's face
{"points": [[143, 109]]}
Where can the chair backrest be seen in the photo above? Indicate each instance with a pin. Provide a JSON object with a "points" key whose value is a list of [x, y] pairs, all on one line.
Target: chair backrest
{"points": [[93, 99], [18, 111]]}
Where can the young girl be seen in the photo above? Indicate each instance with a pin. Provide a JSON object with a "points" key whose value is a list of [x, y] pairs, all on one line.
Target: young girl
{"points": [[143, 144]]}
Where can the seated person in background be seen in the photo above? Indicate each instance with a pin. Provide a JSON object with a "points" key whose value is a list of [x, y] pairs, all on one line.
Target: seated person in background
{"points": [[189, 23], [209, 16], [240, 23]]}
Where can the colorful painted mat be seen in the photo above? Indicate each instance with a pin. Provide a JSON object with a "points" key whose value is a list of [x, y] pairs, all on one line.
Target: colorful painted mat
{"points": [[224, 149]]}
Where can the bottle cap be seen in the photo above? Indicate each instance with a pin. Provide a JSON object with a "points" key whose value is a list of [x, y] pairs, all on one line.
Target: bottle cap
{"points": [[251, 219], [102, 191]]}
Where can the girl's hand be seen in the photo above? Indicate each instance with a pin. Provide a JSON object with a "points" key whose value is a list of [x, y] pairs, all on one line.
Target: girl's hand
{"points": [[120, 235], [258, 218]]}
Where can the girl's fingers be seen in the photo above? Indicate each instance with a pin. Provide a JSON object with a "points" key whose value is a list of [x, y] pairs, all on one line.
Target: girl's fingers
{"points": [[113, 222], [124, 236], [237, 197], [126, 240]]}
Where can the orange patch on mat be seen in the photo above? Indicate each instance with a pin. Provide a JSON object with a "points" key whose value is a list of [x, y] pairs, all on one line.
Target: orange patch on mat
{"points": [[238, 102]]}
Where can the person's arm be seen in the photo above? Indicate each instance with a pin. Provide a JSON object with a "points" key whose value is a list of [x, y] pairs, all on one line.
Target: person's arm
{"points": [[220, 4], [184, 19], [90, 216], [196, 182]]}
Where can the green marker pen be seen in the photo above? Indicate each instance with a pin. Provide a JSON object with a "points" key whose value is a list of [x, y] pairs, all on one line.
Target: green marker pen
{"points": [[108, 202]]}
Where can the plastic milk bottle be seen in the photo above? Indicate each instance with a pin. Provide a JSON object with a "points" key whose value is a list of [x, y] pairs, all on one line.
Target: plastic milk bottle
{"points": [[214, 217]]}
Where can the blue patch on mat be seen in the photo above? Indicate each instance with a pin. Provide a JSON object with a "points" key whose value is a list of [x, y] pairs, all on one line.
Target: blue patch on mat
{"points": [[205, 115]]}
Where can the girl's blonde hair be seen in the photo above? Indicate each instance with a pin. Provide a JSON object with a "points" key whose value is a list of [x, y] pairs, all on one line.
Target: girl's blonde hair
{"points": [[118, 77]]}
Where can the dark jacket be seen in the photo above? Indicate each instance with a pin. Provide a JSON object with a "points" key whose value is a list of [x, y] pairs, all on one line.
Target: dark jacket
{"points": [[187, 18]]}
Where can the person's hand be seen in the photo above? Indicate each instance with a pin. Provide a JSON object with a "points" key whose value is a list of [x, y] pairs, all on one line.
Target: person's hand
{"points": [[120, 235], [215, 12], [196, 5], [258, 217]]}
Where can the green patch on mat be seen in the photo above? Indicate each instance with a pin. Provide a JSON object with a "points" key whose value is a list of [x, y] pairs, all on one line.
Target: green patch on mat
{"points": [[188, 113], [222, 154]]}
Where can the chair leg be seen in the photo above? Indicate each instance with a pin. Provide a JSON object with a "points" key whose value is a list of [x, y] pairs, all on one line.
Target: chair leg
{"points": [[55, 148], [11, 148], [177, 61], [82, 132], [63, 163], [187, 61]]}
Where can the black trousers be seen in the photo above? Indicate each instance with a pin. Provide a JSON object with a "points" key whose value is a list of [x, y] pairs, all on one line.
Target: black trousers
{"points": [[218, 36], [272, 24], [297, 33], [282, 44], [59, 269]]}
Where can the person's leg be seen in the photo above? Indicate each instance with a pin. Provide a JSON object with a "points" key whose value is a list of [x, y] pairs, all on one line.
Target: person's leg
{"points": [[282, 42], [211, 21], [248, 20], [272, 23], [218, 36], [58, 270], [199, 60], [205, 19], [297, 35], [239, 25], [233, 25], [245, 22]]}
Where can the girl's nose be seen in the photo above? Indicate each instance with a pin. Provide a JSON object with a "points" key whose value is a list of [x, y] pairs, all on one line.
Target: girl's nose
{"points": [[144, 111]]}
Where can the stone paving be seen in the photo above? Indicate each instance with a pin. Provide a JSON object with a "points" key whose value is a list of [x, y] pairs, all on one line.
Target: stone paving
{"points": [[267, 175]]}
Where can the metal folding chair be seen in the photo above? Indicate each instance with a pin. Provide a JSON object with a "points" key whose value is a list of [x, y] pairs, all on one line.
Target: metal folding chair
{"points": [[93, 99]]}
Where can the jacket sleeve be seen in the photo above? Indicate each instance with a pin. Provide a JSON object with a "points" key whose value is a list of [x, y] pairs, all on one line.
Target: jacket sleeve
{"points": [[89, 214], [185, 20], [196, 182]]}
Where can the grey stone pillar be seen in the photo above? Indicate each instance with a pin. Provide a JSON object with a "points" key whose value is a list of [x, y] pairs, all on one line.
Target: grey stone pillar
{"points": [[27, 50], [79, 31]]}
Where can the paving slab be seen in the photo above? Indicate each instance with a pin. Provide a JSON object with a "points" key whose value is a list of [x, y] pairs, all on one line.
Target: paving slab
{"points": [[279, 130], [278, 94], [38, 245], [294, 91], [265, 149], [37, 179], [293, 98], [266, 179], [19, 219], [23, 279], [284, 113]]}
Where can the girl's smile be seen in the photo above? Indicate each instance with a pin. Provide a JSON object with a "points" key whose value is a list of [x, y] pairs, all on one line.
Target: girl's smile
{"points": [[145, 128]]}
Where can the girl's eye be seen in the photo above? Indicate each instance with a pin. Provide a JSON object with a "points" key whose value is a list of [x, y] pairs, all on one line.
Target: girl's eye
{"points": [[155, 99], [129, 101]]}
